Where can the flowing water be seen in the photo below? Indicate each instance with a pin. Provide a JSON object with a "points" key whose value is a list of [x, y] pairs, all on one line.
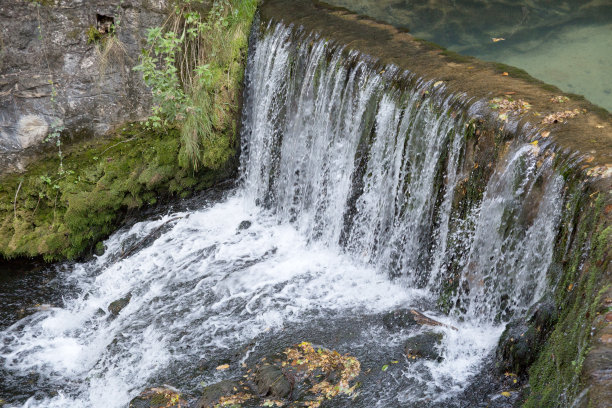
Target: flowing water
{"points": [[347, 185]]}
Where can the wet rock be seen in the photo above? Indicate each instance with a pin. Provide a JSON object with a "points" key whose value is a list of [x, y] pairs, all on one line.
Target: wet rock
{"points": [[244, 225], [523, 338], [271, 381], [159, 397], [399, 320], [227, 392], [118, 305], [424, 345]]}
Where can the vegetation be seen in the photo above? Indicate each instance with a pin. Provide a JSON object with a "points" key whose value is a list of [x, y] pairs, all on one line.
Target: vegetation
{"points": [[555, 378], [64, 205], [194, 65], [58, 216]]}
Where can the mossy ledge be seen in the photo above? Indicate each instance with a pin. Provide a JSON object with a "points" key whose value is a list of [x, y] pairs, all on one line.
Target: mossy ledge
{"points": [[63, 216]]}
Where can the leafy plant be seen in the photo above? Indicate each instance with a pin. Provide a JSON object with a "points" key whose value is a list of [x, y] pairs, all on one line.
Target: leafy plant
{"points": [[193, 65]]}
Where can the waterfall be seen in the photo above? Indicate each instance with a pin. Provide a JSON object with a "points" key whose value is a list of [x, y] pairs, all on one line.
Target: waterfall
{"points": [[352, 179], [339, 150]]}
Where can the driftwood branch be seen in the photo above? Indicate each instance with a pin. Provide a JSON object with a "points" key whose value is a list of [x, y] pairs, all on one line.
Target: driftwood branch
{"points": [[421, 319]]}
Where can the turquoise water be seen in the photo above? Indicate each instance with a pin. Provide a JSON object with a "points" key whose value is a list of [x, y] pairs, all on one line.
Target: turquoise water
{"points": [[564, 43]]}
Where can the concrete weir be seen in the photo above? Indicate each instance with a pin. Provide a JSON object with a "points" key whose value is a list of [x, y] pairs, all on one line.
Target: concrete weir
{"points": [[565, 123], [588, 133]]}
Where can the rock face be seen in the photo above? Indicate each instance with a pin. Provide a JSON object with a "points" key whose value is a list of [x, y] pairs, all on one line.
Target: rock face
{"points": [[68, 64]]}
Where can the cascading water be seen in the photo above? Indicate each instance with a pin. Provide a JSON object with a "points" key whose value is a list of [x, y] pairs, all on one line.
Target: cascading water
{"points": [[348, 183]]}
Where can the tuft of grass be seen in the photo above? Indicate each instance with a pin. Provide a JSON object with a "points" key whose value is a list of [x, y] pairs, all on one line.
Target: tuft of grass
{"points": [[202, 49]]}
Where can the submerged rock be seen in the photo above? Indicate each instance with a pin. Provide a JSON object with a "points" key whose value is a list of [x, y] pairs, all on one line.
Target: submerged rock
{"points": [[425, 346], [399, 320], [159, 397], [118, 305]]}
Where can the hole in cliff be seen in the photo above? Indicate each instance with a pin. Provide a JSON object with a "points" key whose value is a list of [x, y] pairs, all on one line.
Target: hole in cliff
{"points": [[104, 23]]}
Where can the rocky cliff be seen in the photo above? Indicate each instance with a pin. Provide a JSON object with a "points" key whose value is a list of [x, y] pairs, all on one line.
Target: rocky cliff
{"points": [[67, 64]]}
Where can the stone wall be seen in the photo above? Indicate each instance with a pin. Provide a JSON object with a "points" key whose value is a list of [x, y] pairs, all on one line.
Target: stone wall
{"points": [[59, 66]]}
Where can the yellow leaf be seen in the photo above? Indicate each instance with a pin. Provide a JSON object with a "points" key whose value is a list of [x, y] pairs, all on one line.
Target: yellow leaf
{"points": [[570, 287], [505, 74], [223, 367], [505, 394], [438, 83], [534, 143], [497, 39]]}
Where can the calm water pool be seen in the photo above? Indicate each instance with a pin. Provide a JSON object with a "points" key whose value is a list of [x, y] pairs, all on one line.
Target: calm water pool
{"points": [[565, 43]]}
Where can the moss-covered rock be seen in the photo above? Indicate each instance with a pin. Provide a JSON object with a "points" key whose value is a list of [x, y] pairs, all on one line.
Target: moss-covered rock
{"points": [[558, 376], [60, 213], [159, 397]]}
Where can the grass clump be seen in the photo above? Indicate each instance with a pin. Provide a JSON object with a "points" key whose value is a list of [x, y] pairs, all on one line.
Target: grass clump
{"points": [[194, 64]]}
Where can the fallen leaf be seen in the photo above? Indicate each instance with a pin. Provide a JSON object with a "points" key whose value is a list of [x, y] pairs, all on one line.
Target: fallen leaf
{"points": [[559, 99], [438, 83], [505, 74], [570, 287], [546, 133], [385, 367], [505, 394], [599, 126], [534, 143], [589, 159], [223, 367], [497, 39]]}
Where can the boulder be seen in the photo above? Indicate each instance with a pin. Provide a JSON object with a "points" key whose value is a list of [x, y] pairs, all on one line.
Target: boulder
{"points": [[271, 381]]}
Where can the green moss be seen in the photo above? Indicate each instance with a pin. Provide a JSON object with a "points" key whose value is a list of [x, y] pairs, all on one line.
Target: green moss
{"points": [[60, 217], [555, 376], [93, 35]]}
